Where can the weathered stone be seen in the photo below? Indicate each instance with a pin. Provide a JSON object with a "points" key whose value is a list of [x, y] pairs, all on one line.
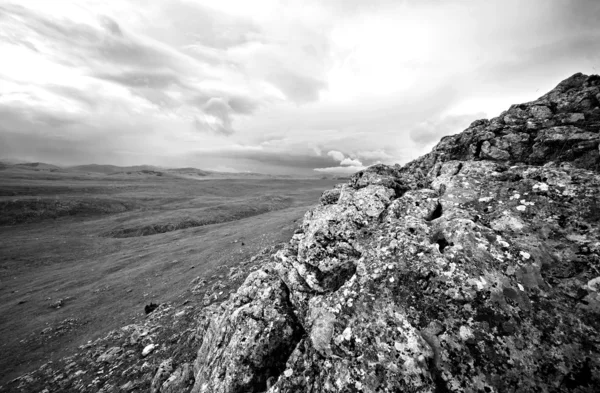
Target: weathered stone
{"points": [[540, 112], [251, 340], [163, 372], [110, 355], [443, 275], [493, 152], [179, 381]]}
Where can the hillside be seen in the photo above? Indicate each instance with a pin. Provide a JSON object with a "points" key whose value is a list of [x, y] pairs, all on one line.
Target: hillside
{"points": [[473, 268]]}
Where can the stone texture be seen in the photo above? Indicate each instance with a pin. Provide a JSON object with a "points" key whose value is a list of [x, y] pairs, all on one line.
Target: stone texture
{"points": [[466, 270]]}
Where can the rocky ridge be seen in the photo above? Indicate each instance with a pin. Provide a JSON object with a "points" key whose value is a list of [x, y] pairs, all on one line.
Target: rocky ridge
{"points": [[473, 268]]}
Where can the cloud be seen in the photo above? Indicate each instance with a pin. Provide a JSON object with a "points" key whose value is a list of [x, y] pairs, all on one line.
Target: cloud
{"points": [[158, 79], [347, 164], [346, 170], [217, 117], [433, 130], [350, 162], [271, 158], [374, 155], [298, 88], [274, 86], [100, 49], [202, 25], [336, 155]]}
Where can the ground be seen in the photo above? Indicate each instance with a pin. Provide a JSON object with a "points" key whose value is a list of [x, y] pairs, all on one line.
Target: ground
{"points": [[83, 253]]}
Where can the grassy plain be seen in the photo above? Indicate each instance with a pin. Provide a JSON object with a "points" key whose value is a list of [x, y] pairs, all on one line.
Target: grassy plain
{"points": [[82, 253]]}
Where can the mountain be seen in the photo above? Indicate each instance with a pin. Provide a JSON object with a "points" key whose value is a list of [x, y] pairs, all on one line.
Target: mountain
{"points": [[473, 268]]}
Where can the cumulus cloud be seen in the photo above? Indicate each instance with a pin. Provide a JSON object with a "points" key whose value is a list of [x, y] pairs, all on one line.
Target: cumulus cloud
{"points": [[340, 170], [336, 155], [346, 164], [350, 162]]}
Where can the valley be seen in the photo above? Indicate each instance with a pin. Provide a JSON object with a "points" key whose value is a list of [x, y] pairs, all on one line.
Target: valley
{"points": [[82, 253]]}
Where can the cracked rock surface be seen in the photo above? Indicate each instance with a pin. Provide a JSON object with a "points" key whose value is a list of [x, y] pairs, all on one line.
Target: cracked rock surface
{"points": [[473, 268]]}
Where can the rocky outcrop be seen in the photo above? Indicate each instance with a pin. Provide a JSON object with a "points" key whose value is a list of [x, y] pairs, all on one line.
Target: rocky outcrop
{"points": [[473, 268]]}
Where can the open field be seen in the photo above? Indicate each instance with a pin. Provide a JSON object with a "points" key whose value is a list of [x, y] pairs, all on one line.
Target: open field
{"points": [[82, 253]]}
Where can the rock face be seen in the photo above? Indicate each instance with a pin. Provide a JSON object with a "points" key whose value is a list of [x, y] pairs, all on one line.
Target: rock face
{"points": [[473, 268]]}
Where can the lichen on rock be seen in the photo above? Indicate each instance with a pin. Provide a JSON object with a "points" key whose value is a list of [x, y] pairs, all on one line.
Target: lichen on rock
{"points": [[472, 268]]}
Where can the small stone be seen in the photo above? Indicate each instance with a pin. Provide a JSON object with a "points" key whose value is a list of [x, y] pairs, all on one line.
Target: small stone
{"points": [[465, 333], [147, 349], [594, 284], [347, 334]]}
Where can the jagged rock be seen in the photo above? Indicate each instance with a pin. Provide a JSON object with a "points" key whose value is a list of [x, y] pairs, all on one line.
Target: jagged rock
{"points": [[251, 339], [179, 380], [110, 355], [472, 268], [163, 372]]}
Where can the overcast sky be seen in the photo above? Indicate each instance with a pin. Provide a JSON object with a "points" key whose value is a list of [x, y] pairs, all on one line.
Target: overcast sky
{"points": [[302, 86]]}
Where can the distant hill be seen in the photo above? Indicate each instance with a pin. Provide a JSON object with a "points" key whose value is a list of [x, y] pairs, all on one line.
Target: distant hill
{"points": [[39, 166], [108, 169], [188, 171], [145, 170]]}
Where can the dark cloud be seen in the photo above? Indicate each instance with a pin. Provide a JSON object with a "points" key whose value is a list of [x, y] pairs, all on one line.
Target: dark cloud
{"points": [[271, 158], [433, 130]]}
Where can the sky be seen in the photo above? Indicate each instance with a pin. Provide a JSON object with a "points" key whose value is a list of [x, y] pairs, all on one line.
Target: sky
{"points": [[282, 87]]}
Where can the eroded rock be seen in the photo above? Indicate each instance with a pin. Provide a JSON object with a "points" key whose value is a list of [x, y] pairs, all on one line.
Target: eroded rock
{"points": [[468, 269]]}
